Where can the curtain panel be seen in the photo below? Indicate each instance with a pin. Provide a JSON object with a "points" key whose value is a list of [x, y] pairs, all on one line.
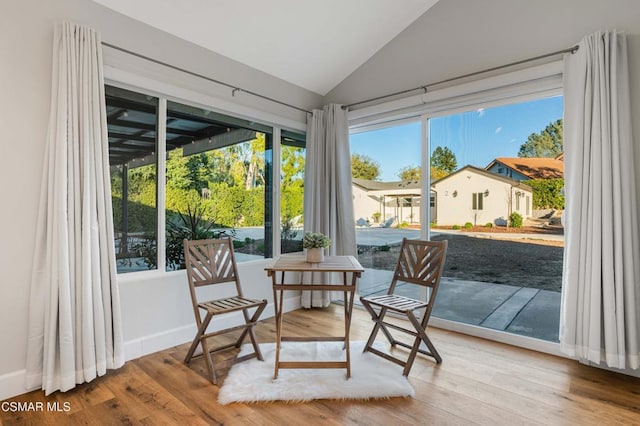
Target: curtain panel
{"points": [[328, 199], [75, 331], [600, 298]]}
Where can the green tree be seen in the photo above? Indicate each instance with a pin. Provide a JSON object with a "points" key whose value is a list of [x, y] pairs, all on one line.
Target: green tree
{"points": [[547, 143], [415, 173], [444, 159], [410, 173], [437, 173], [364, 167]]}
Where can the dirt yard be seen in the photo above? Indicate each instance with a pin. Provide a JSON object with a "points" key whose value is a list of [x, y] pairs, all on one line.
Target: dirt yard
{"points": [[521, 262]]}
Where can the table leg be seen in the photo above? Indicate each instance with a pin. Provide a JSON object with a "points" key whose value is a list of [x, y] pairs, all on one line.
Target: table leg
{"points": [[278, 306]]}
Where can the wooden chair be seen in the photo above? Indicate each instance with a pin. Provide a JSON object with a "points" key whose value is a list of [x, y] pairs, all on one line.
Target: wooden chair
{"points": [[420, 263], [212, 262]]}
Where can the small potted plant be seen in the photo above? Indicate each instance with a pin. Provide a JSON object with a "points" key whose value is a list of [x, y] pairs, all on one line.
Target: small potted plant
{"points": [[315, 243]]}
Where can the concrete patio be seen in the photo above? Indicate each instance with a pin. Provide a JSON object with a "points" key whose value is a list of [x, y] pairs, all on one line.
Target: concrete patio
{"points": [[524, 311]]}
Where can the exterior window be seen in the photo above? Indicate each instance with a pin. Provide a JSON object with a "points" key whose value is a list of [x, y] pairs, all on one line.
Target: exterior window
{"points": [[490, 201], [218, 180], [218, 172], [132, 130], [476, 202], [292, 147]]}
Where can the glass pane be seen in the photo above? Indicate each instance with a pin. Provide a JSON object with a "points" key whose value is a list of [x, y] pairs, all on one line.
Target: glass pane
{"points": [[498, 201], [292, 191], [132, 128], [218, 176], [386, 168]]}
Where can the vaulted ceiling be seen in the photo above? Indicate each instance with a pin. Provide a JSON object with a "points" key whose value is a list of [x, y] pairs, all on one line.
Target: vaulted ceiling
{"points": [[313, 44]]}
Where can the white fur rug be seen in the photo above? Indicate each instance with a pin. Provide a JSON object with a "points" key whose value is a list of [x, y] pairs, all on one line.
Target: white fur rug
{"points": [[371, 376]]}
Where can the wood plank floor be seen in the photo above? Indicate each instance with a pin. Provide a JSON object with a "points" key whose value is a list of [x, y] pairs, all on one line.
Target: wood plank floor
{"points": [[479, 382]]}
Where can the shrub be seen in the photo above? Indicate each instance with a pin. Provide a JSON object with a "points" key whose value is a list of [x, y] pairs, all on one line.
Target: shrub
{"points": [[547, 193], [376, 217], [403, 225], [455, 227], [384, 247], [468, 225], [515, 220], [488, 225], [432, 225]]}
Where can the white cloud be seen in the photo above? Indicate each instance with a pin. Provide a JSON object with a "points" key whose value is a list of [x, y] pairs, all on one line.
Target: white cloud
{"points": [[480, 112], [498, 130]]}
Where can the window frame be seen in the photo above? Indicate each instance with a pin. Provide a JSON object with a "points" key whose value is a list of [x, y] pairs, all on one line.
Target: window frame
{"points": [[523, 85], [167, 92]]}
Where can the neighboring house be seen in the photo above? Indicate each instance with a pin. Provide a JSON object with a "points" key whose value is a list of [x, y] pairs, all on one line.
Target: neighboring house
{"points": [[391, 199], [474, 195], [470, 194], [528, 168]]}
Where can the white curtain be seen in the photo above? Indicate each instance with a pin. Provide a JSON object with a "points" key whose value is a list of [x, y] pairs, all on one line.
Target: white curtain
{"points": [[600, 299], [328, 199], [74, 318]]}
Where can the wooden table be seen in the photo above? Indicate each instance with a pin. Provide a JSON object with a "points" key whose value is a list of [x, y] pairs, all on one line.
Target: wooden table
{"points": [[296, 263]]}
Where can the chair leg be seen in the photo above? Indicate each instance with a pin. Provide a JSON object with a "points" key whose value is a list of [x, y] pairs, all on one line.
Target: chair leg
{"points": [[205, 348], [248, 320], [378, 318], [201, 330], [209, 361], [376, 326], [422, 337], [252, 336]]}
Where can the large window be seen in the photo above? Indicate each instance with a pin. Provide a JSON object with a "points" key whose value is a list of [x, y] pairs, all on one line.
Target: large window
{"points": [[132, 123], [500, 207], [217, 177], [496, 179], [218, 181]]}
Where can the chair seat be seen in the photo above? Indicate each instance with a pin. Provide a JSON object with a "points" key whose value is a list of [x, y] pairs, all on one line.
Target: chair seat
{"points": [[229, 304], [395, 302]]}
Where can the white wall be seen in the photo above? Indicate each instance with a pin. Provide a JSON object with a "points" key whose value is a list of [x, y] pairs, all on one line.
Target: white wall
{"points": [[458, 210], [364, 205], [156, 309]]}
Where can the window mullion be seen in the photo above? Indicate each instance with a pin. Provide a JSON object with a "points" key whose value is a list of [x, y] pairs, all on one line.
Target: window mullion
{"points": [[276, 191], [161, 184]]}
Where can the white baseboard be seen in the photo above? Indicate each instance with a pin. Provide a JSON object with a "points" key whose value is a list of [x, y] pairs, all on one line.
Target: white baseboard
{"points": [[13, 383]]}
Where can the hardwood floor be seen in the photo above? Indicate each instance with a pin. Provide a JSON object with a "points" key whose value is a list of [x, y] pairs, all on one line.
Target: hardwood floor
{"points": [[479, 382]]}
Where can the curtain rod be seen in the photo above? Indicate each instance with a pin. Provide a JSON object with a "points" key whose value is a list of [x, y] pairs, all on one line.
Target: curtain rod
{"points": [[424, 88], [234, 88]]}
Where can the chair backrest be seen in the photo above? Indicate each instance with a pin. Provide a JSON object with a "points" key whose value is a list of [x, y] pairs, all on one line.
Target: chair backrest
{"points": [[210, 262], [420, 262]]}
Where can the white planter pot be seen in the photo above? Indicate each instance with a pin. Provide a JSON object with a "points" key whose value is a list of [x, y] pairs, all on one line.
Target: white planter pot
{"points": [[315, 255]]}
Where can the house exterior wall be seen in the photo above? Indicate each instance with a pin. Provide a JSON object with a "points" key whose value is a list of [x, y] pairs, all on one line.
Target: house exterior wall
{"points": [[402, 204], [364, 205], [458, 209]]}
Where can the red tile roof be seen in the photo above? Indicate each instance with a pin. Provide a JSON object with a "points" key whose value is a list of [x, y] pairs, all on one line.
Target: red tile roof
{"points": [[534, 168]]}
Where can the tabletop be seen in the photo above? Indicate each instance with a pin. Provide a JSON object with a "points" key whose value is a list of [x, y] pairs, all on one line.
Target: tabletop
{"points": [[297, 262]]}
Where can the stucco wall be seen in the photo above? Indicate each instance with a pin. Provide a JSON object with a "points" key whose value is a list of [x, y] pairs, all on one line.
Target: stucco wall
{"points": [[454, 199]]}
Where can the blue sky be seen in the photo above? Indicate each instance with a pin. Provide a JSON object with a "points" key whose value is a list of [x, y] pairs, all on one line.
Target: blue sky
{"points": [[475, 137]]}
